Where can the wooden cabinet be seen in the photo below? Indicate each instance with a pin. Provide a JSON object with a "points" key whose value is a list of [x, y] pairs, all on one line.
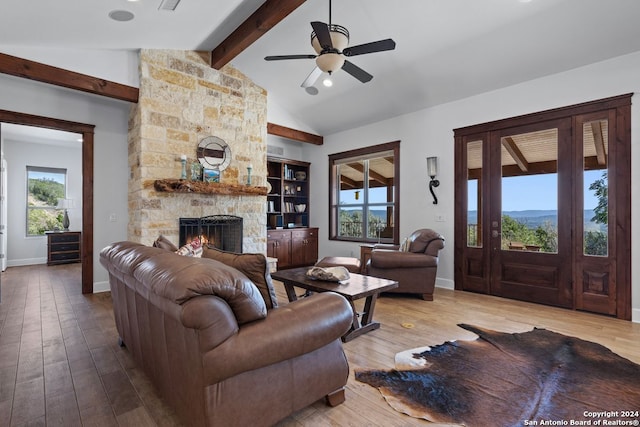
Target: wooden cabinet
{"points": [[293, 248], [279, 246], [288, 199], [304, 246], [63, 247]]}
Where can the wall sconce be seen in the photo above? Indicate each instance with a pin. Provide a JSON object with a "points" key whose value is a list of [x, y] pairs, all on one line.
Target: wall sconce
{"points": [[432, 170]]}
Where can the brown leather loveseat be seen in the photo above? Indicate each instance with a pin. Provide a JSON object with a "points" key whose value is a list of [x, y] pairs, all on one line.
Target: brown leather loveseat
{"points": [[414, 268], [216, 345]]}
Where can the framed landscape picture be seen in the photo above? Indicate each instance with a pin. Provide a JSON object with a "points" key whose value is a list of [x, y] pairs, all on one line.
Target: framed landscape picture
{"points": [[211, 175]]}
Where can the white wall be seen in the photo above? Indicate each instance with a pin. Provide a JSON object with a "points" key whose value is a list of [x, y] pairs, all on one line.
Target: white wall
{"points": [[110, 150], [23, 250], [429, 132]]}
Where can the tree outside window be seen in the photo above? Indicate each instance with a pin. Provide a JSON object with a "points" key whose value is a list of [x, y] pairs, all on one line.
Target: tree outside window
{"points": [[364, 188], [45, 186]]}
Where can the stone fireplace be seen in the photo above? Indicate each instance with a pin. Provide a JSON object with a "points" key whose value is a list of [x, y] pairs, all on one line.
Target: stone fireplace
{"points": [[182, 100]]}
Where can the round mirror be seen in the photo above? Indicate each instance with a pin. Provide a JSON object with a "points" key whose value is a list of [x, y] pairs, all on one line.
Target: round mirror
{"points": [[213, 153]]}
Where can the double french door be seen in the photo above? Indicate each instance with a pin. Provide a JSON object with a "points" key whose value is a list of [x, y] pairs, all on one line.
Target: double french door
{"points": [[543, 207]]}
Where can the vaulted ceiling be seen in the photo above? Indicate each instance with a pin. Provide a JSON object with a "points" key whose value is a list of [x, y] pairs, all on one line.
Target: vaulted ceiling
{"points": [[446, 50]]}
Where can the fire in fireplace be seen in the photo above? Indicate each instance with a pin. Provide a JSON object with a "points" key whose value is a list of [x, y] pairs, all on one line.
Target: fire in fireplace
{"points": [[221, 231]]}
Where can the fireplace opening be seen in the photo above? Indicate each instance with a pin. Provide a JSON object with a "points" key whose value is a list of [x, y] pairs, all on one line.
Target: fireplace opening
{"points": [[221, 231]]}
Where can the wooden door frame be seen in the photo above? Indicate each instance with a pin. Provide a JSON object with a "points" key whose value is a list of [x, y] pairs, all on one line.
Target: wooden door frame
{"points": [[87, 132], [622, 105]]}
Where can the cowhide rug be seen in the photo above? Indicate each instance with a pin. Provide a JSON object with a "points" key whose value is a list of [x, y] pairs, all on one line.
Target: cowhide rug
{"points": [[504, 379]]}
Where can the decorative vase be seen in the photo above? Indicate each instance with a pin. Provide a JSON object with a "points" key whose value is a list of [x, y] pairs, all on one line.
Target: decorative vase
{"points": [[301, 175]]}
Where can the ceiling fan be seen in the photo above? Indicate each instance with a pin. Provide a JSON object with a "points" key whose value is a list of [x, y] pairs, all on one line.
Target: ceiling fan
{"points": [[330, 42]]}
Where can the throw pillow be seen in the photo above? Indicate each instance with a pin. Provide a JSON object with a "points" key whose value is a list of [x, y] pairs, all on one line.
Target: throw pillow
{"points": [[164, 243], [254, 266], [193, 249]]}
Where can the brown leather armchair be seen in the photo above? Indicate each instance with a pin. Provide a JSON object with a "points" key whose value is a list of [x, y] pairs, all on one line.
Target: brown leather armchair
{"points": [[415, 269]]}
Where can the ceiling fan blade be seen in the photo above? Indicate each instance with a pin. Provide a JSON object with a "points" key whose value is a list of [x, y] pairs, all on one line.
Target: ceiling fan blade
{"points": [[361, 49], [281, 57], [312, 77], [356, 72], [322, 33]]}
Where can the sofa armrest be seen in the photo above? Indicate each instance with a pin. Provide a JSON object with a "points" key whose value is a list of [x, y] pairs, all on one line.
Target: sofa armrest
{"points": [[213, 319], [381, 258], [288, 331]]}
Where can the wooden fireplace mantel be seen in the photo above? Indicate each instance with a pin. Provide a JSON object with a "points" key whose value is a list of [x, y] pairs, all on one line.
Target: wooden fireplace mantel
{"points": [[199, 187]]}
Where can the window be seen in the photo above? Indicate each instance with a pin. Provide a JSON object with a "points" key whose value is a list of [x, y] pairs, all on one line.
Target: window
{"points": [[45, 186], [364, 194]]}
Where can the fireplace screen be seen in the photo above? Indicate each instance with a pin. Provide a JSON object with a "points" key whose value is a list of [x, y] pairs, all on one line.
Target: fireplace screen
{"points": [[221, 231]]}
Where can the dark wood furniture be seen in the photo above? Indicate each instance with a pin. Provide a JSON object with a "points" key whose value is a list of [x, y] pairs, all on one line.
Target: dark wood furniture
{"points": [[63, 247], [365, 255], [293, 247], [357, 287]]}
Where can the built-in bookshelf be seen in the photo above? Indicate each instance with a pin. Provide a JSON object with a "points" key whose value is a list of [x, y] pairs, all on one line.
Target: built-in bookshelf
{"points": [[288, 196]]}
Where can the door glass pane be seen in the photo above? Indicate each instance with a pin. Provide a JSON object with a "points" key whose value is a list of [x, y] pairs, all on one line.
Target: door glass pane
{"points": [[530, 191], [351, 199], [474, 194], [596, 184]]}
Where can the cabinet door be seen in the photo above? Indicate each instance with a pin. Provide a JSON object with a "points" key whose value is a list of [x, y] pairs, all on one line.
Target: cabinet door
{"points": [[279, 246], [304, 247]]}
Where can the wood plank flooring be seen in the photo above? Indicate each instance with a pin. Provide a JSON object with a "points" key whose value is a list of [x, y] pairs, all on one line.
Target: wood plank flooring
{"points": [[60, 364]]}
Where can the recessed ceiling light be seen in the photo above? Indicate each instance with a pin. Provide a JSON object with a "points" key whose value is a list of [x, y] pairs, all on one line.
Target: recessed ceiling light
{"points": [[311, 90], [121, 15]]}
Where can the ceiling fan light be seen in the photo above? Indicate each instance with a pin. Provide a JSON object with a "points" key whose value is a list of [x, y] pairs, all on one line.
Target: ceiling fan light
{"points": [[327, 82], [330, 62]]}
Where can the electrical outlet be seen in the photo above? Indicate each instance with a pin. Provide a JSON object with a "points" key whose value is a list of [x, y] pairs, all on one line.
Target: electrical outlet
{"points": [[113, 218], [439, 218]]}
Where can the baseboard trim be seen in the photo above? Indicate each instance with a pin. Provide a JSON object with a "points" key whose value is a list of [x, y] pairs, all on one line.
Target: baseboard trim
{"points": [[101, 287], [445, 283], [635, 315], [25, 261]]}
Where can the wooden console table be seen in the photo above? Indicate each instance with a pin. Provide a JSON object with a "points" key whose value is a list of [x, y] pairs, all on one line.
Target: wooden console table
{"points": [[63, 247]]}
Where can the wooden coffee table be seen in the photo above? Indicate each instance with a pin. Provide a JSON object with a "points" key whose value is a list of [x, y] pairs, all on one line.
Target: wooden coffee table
{"points": [[358, 286]]}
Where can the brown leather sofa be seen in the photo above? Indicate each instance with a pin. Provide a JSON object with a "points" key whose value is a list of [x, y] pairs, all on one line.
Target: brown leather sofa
{"points": [[216, 345], [414, 269]]}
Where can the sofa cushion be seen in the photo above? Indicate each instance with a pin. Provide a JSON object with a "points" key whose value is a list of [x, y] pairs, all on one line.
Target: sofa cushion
{"points": [[164, 243], [254, 266]]}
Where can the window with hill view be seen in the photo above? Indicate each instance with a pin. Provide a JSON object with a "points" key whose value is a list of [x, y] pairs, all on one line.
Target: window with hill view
{"points": [[364, 188], [44, 187]]}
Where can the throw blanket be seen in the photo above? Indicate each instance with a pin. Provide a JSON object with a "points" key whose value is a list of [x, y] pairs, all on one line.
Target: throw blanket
{"points": [[532, 378]]}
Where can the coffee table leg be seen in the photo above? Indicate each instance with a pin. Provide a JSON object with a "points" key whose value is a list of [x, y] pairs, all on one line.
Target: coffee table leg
{"points": [[361, 327], [369, 305], [291, 292]]}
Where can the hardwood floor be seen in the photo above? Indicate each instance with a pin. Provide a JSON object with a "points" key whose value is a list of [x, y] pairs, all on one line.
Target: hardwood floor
{"points": [[60, 364]]}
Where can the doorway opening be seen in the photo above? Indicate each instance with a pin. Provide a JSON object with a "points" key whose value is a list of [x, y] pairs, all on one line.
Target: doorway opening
{"points": [[87, 132]]}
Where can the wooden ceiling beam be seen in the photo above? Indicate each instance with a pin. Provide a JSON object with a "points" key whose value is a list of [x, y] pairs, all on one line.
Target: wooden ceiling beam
{"points": [[372, 174], [262, 20], [598, 141], [294, 134], [37, 71], [511, 146]]}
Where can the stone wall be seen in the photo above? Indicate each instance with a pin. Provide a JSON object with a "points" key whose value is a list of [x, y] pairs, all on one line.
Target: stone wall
{"points": [[182, 100]]}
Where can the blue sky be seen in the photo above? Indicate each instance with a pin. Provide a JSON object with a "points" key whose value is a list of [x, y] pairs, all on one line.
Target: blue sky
{"points": [[57, 177], [535, 192], [520, 193]]}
